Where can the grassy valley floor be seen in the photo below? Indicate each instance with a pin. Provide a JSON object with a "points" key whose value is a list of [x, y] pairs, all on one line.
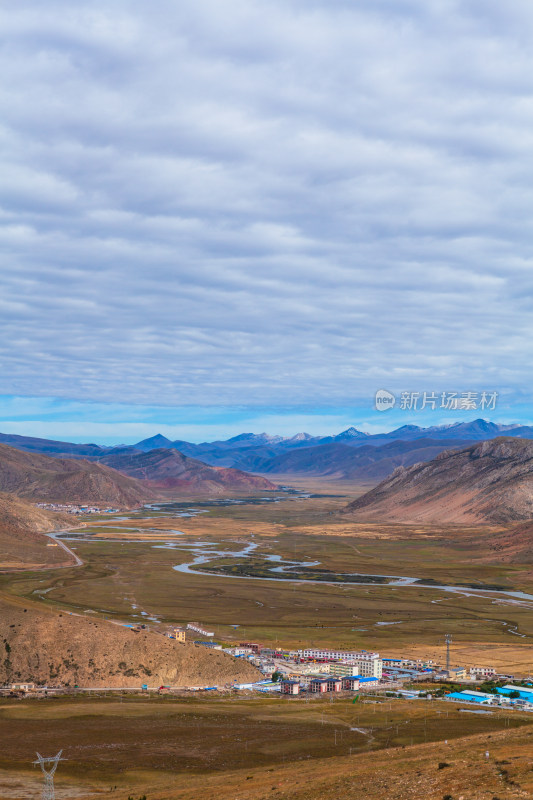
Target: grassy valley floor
{"points": [[128, 576]]}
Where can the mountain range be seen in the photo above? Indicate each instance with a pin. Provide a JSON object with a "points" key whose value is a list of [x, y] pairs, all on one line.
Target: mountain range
{"points": [[338, 460], [229, 452], [351, 454], [489, 482]]}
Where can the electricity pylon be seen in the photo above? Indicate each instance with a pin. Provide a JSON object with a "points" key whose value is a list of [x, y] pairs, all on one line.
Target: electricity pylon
{"points": [[448, 639], [48, 785]]}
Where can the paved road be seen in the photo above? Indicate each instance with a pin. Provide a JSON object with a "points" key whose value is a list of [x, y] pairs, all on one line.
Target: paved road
{"points": [[77, 559]]}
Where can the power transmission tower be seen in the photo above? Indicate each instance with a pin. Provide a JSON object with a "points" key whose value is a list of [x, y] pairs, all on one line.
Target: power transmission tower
{"points": [[448, 639], [48, 784]]}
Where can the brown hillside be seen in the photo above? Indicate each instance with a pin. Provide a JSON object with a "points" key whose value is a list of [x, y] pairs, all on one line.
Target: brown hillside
{"points": [[39, 477], [22, 544], [513, 544], [170, 469], [491, 481], [51, 648]]}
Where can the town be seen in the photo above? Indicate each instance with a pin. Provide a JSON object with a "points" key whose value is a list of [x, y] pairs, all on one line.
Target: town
{"points": [[311, 671], [71, 508]]}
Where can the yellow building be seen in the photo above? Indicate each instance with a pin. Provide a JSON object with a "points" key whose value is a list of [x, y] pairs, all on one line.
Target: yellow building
{"points": [[342, 670], [179, 634]]}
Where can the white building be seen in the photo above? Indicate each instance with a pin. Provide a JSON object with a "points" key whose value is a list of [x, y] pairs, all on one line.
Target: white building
{"points": [[195, 626], [238, 651], [417, 663], [368, 667], [483, 672], [336, 655], [22, 687]]}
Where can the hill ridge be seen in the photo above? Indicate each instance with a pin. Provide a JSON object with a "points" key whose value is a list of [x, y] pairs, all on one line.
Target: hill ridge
{"points": [[55, 480], [491, 481], [170, 469]]}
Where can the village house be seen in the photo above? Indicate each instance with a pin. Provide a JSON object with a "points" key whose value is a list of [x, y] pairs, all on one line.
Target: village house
{"points": [[290, 687]]}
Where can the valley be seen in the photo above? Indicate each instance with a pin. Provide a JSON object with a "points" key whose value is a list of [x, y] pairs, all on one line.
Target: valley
{"points": [[266, 430], [135, 567], [291, 567]]}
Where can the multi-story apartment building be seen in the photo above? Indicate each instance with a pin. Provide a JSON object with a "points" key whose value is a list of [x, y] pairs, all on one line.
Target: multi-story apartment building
{"points": [[345, 663], [336, 655], [365, 667], [342, 670], [369, 667]]}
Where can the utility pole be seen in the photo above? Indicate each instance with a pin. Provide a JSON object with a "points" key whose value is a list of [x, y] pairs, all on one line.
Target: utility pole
{"points": [[48, 792], [448, 639]]}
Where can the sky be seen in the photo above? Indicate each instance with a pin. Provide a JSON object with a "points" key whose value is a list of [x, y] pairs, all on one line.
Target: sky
{"points": [[253, 215]]}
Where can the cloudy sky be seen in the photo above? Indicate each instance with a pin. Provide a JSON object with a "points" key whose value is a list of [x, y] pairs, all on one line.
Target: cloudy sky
{"points": [[216, 214]]}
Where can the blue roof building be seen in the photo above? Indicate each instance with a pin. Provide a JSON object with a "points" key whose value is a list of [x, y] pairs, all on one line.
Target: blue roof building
{"points": [[523, 694], [470, 697]]}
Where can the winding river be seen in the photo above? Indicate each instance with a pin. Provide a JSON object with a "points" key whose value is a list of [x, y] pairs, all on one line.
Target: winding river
{"points": [[205, 553]]}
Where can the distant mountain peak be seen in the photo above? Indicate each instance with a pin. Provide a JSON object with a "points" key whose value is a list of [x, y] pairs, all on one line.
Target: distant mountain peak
{"points": [[410, 429], [480, 423], [300, 437], [243, 437], [153, 443], [255, 437], [351, 433]]}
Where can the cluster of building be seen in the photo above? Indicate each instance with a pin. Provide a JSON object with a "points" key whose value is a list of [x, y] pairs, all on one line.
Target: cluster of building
{"points": [[321, 670], [315, 671], [67, 508]]}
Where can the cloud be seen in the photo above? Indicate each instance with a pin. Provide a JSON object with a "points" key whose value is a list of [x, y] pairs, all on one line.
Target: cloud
{"points": [[265, 203]]}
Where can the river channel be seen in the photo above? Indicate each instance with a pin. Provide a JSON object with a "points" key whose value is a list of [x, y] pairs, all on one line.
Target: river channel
{"points": [[248, 561]]}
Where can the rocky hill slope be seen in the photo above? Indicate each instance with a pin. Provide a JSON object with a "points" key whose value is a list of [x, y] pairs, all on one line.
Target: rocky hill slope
{"points": [[56, 480], [22, 544], [52, 648], [491, 481], [170, 469]]}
